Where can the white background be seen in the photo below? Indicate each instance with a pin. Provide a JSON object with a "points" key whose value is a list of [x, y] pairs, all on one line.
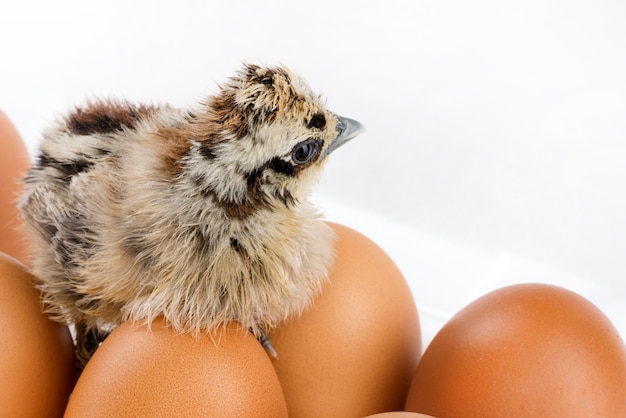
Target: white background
{"points": [[496, 130]]}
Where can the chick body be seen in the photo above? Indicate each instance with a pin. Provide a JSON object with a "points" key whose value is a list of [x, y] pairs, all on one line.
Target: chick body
{"points": [[199, 216]]}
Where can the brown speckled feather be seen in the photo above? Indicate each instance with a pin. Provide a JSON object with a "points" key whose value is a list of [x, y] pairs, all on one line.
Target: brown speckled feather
{"points": [[200, 216]]}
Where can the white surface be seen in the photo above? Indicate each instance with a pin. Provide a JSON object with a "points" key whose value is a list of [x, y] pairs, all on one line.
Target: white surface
{"points": [[496, 130]]}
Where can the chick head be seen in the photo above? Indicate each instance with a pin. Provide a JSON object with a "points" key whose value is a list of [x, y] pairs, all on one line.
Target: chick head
{"points": [[269, 137]]}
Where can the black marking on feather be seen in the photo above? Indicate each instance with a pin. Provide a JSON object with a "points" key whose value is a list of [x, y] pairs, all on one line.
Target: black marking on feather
{"points": [[254, 200], [204, 190], [318, 121], [287, 198], [281, 166], [236, 245], [106, 117], [265, 75], [253, 180], [262, 115], [267, 78], [66, 168], [230, 117], [48, 230], [206, 150]]}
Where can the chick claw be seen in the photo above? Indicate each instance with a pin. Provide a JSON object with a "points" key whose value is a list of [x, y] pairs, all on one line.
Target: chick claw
{"points": [[267, 345]]}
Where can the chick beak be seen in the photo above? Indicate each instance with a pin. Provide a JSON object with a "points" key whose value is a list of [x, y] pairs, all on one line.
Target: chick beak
{"points": [[348, 129]]}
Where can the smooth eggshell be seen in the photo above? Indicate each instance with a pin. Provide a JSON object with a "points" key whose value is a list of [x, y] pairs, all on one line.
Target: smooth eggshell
{"points": [[399, 414], [528, 350], [354, 351], [138, 372], [37, 365], [14, 161]]}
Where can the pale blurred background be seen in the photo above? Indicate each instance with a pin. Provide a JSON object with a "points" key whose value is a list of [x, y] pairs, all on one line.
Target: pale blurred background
{"points": [[496, 143]]}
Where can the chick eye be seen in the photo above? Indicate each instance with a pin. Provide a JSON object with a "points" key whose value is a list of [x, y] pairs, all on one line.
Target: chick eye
{"points": [[305, 151]]}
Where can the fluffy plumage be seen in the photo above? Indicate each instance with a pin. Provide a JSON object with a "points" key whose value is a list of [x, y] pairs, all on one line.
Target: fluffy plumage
{"points": [[198, 216]]}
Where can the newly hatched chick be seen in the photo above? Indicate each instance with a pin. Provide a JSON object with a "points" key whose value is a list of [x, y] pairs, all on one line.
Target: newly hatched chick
{"points": [[198, 216]]}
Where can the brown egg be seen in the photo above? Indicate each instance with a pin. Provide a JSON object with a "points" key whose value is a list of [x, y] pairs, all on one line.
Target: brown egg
{"points": [[37, 366], [14, 161], [399, 414], [139, 372], [353, 353], [528, 350]]}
